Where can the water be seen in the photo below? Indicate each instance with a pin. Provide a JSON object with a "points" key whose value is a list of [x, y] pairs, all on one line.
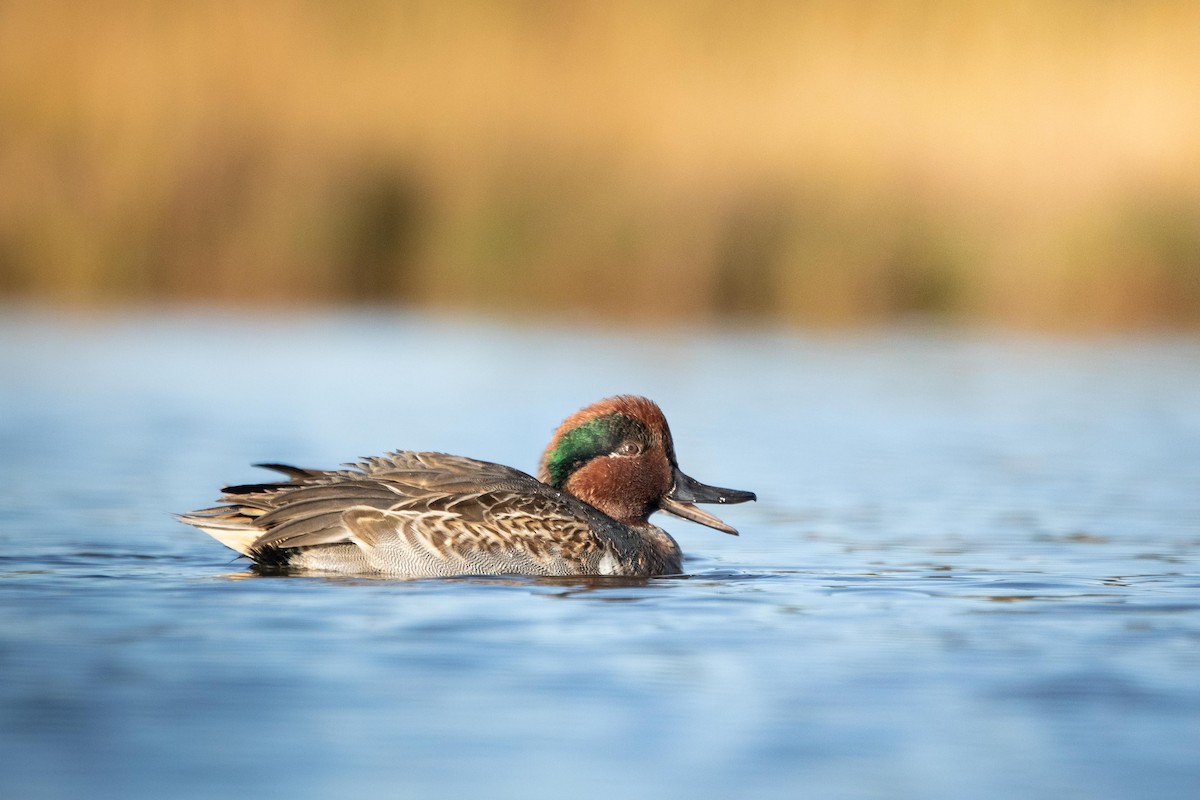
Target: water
{"points": [[972, 571]]}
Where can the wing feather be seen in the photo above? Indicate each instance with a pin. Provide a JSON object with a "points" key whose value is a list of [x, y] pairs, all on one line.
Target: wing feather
{"points": [[415, 511]]}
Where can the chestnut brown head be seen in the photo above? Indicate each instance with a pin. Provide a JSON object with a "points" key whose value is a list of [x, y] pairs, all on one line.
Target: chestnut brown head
{"points": [[617, 455]]}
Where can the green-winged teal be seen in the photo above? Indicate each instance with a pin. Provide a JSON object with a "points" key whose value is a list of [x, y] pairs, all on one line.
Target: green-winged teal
{"points": [[607, 468]]}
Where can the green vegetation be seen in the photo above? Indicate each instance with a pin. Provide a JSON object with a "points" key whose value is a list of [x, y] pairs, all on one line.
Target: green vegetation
{"points": [[1024, 163]]}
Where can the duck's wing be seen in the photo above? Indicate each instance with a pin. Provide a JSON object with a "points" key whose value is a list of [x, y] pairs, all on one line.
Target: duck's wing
{"points": [[494, 532], [414, 513], [428, 470]]}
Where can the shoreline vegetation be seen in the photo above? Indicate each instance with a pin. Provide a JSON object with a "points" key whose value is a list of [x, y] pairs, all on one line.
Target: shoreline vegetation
{"points": [[819, 163]]}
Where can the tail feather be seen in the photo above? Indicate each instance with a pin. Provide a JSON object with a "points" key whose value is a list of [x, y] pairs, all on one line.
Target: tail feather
{"points": [[233, 525], [228, 527], [241, 541], [295, 473]]}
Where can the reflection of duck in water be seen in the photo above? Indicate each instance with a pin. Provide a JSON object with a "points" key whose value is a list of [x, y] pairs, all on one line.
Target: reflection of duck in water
{"points": [[605, 471]]}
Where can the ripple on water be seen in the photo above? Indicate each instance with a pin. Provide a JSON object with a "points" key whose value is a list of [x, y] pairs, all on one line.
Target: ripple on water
{"points": [[972, 571]]}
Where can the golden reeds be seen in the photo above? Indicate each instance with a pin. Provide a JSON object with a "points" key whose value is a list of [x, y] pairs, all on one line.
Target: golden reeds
{"points": [[1030, 163]]}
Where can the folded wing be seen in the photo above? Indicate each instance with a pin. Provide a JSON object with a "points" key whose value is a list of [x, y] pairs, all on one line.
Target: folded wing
{"points": [[409, 513]]}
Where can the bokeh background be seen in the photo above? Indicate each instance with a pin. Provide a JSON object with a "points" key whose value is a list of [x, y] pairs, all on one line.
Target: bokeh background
{"points": [[923, 274], [994, 162]]}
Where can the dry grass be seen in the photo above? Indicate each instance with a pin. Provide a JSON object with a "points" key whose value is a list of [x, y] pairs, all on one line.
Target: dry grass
{"points": [[1027, 163]]}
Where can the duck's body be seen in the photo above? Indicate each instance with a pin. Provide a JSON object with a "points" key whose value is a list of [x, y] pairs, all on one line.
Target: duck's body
{"points": [[413, 514]]}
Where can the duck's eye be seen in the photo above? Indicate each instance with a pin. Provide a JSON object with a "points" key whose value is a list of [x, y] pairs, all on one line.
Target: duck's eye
{"points": [[630, 449]]}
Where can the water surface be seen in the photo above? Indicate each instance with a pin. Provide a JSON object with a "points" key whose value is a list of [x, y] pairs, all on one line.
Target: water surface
{"points": [[972, 572]]}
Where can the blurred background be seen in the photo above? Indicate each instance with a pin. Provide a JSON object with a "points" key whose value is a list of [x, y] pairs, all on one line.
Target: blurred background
{"points": [[1002, 162], [926, 276]]}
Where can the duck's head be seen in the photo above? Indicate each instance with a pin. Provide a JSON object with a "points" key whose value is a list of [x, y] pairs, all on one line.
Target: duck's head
{"points": [[617, 455]]}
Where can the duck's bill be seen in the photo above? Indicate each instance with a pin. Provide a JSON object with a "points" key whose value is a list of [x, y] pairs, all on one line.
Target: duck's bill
{"points": [[688, 491]]}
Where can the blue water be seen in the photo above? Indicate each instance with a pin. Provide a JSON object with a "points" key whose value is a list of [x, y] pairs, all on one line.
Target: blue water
{"points": [[973, 570]]}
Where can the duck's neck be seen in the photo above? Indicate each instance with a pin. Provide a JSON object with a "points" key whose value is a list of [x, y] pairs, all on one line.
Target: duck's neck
{"points": [[660, 554]]}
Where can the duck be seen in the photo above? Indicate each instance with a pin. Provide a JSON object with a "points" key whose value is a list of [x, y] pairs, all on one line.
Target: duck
{"points": [[406, 514]]}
